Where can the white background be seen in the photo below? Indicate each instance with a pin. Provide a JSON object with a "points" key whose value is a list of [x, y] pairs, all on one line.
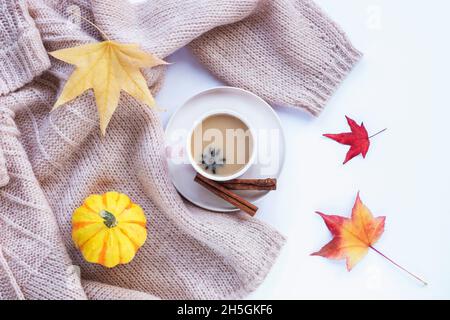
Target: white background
{"points": [[401, 84]]}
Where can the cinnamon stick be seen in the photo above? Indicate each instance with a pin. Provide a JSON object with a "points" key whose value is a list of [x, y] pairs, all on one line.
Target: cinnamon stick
{"points": [[250, 184], [226, 194]]}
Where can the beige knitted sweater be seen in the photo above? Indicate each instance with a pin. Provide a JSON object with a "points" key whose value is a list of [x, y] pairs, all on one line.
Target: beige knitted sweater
{"points": [[287, 51]]}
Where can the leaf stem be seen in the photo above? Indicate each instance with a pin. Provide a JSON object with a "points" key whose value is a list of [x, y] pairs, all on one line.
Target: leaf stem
{"points": [[377, 133], [92, 24], [399, 266]]}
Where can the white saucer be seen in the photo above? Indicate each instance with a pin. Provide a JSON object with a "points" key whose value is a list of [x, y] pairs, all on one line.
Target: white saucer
{"points": [[263, 120]]}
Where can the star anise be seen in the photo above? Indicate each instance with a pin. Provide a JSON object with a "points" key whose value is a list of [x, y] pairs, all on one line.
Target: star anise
{"points": [[212, 159]]}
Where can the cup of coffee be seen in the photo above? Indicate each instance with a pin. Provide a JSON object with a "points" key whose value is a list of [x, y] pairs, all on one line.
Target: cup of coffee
{"points": [[221, 145]]}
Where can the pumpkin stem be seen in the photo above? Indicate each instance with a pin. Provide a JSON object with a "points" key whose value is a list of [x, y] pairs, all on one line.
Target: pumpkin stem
{"points": [[109, 219]]}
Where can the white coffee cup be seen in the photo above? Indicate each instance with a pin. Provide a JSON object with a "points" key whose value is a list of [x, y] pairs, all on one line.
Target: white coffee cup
{"points": [[235, 175]]}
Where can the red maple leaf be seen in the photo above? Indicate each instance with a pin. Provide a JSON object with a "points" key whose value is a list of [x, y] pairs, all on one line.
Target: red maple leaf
{"points": [[358, 139]]}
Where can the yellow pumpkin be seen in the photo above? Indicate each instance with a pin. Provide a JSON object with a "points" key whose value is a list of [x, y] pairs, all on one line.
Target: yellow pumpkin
{"points": [[109, 229]]}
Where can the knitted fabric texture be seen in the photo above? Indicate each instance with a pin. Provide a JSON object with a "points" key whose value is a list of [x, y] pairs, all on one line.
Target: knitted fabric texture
{"points": [[287, 51]]}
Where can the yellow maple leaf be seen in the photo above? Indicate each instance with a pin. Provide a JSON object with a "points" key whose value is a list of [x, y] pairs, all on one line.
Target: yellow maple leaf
{"points": [[107, 67]]}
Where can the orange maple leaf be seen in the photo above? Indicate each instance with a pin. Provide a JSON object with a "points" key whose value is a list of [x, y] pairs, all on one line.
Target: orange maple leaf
{"points": [[352, 237]]}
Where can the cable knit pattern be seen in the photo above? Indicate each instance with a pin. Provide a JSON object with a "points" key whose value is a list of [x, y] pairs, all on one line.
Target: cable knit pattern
{"points": [[287, 51]]}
